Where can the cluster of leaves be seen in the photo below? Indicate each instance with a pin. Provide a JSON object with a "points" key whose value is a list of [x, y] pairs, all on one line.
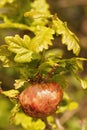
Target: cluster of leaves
{"points": [[31, 57], [22, 53]]}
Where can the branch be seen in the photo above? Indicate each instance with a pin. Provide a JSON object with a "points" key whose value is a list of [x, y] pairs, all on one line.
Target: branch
{"points": [[51, 72], [83, 124], [66, 116], [58, 123], [79, 112], [48, 126]]}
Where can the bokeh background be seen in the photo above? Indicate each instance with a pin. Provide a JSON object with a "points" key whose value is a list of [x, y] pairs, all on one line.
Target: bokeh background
{"points": [[74, 12]]}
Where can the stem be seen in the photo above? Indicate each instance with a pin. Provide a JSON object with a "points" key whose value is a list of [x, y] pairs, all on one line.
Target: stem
{"points": [[1, 90], [83, 123], [48, 126], [51, 72], [59, 125]]}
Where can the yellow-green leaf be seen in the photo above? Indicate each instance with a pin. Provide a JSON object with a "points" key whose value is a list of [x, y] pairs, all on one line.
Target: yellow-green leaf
{"points": [[83, 83], [38, 14], [72, 106], [19, 83], [42, 40], [35, 14], [3, 2], [27, 123], [20, 47], [11, 93], [68, 38]]}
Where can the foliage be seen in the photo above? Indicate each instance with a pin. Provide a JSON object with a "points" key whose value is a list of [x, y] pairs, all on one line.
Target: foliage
{"points": [[4, 112], [68, 38], [77, 125], [27, 122], [4, 2], [34, 57], [11, 93]]}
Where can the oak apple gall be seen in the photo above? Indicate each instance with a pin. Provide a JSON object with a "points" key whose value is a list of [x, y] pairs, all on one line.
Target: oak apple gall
{"points": [[41, 99]]}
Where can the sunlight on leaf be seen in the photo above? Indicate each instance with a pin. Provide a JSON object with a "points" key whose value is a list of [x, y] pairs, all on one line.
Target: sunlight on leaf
{"points": [[34, 14], [42, 40], [16, 43], [20, 47], [72, 106], [83, 83], [54, 53], [41, 6], [38, 14], [23, 56], [27, 122], [68, 38], [51, 121], [3, 2], [11, 93], [19, 83], [14, 111]]}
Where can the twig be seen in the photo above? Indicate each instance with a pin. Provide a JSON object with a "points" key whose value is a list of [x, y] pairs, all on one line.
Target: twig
{"points": [[1, 90], [83, 124], [59, 125], [52, 71], [48, 126], [67, 115]]}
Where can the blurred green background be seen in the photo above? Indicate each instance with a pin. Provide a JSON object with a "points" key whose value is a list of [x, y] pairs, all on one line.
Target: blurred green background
{"points": [[75, 14]]}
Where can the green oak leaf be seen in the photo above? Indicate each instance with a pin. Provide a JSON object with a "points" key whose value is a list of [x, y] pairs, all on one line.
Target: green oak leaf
{"points": [[20, 47], [19, 83], [14, 111], [54, 53], [38, 14], [42, 40], [68, 38], [23, 56], [11, 93], [27, 122], [46, 67], [35, 14], [27, 49], [40, 6]]}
